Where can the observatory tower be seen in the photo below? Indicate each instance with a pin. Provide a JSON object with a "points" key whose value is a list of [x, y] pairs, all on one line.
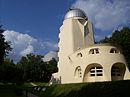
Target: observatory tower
{"points": [[75, 34], [80, 59]]}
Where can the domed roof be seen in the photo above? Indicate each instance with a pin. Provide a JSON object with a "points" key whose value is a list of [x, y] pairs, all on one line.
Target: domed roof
{"points": [[76, 13]]}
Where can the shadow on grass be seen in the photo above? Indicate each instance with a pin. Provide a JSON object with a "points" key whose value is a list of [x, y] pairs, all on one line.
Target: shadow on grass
{"points": [[99, 89], [11, 90]]}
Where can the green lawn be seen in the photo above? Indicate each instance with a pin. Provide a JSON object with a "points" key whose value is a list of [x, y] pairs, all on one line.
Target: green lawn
{"points": [[13, 90], [98, 89], [10, 91], [41, 84]]}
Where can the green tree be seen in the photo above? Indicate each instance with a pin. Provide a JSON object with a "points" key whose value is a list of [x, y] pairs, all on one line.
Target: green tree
{"points": [[33, 67], [9, 72], [121, 38], [4, 46], [52, 66]]}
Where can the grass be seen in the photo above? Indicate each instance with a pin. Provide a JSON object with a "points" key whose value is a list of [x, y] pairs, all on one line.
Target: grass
{"points": [[10, 90], [98, 89], [41, 84], [13, 90]]}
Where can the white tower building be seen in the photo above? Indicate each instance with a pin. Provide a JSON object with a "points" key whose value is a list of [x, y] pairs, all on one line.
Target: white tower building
{"points": [[80, 60]]}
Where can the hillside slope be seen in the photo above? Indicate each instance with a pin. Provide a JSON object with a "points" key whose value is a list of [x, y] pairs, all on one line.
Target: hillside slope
{"points": [[98, 89]]}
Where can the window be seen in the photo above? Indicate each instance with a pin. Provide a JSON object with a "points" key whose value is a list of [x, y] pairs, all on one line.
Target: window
{"points": [[79, 55], [86, 31], [96, 71], [78, 72], [115, 71], [91, 51], [94, 51], [114, 50]]}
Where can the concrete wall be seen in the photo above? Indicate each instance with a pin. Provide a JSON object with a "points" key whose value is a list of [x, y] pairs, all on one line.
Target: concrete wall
{"points": [[85, 60], [77, 49]]}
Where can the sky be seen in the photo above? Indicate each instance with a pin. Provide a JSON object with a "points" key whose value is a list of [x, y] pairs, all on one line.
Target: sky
{"points": [[32, 26]]}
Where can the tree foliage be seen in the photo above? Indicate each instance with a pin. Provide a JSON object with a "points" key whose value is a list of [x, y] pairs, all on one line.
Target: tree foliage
{"points": [[121, 38], [9, 72], [4, 46], [30, 68], [35, 69]]}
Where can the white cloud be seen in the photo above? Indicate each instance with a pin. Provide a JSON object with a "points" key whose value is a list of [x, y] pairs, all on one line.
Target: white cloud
{"points": [[106, 14], [51, 45], [28, 50], [50, 55], [23, 44]]}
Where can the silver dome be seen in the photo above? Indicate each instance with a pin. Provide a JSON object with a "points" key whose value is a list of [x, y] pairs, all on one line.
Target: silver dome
{"points": [[76, 13]]}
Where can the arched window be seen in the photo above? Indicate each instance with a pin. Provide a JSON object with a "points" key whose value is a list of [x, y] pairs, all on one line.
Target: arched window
{"points": [[78, 72], [114, 50], [79, 55], [96, 71], [94, 51], [115, 71], [118, 71]]}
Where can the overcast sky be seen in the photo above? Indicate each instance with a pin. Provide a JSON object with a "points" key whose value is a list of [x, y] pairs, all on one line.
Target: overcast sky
{"points": [[32, 26]]}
